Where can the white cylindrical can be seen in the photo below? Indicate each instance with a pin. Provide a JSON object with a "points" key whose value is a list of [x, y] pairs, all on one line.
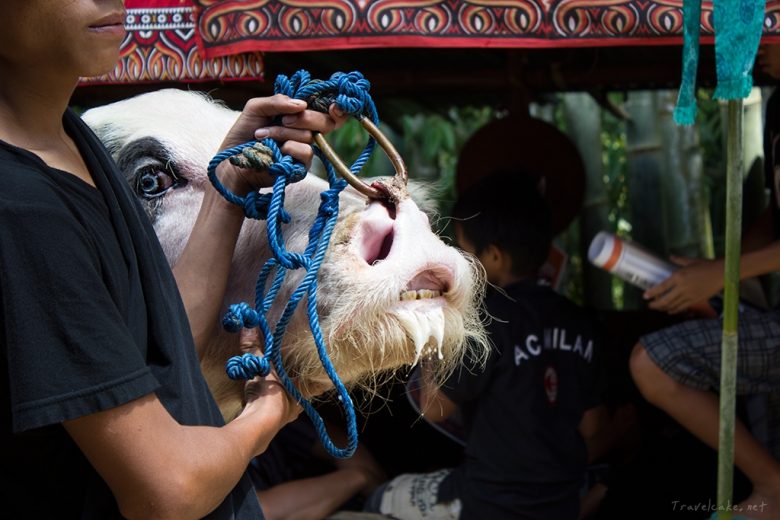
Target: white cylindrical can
{"points": [[628, 261]]}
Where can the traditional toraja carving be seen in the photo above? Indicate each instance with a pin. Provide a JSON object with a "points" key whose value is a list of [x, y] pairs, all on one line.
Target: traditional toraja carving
{"points": [[200, 40], [230, 26], [162, 45]]}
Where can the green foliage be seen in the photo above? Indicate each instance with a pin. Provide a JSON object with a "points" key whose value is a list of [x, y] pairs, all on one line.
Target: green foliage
{"points": [[615, 168], [429, 141], [708, 122], [350, 140], [613, 142]]}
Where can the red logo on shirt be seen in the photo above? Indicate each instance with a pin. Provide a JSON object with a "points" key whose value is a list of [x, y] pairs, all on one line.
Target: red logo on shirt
{"points": [[551, 384]]}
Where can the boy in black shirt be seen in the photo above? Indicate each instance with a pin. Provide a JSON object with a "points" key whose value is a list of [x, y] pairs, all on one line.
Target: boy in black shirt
{"points": [[530, 408]]}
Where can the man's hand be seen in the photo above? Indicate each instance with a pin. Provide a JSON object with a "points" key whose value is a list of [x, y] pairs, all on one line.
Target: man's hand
{"points": [[691, 285], [295, 135], [267, 392], [364, 463]]}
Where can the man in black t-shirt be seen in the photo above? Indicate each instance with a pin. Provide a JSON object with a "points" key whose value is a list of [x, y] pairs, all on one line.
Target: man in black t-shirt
{"points": [[104, 411], [678, 368], [529, 409]]}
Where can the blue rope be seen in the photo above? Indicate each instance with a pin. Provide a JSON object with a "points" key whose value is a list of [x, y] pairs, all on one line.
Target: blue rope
{"points": [[352, 97]]}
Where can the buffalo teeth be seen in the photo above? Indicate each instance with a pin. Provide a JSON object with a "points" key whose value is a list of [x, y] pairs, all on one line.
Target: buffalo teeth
{"points": [[419, 294], [426, 328], [436, 321]]}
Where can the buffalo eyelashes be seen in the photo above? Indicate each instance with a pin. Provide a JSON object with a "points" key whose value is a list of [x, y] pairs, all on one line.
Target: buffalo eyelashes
{"points": [[154, 180]]}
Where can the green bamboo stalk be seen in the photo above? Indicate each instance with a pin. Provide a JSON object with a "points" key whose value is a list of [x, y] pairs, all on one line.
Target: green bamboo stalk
{"points": [[729, 345]]}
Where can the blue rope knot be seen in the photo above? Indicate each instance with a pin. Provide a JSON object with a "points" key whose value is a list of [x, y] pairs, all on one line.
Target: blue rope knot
{"points": [[289, 168], [352, 92], [256, 205], [330, 200], [239, 316], [293, 261], [247, 366]]}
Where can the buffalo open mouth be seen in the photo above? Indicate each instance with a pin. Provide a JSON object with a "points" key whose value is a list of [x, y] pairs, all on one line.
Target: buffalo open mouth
{"points": [[423, 320], [431, 282]]}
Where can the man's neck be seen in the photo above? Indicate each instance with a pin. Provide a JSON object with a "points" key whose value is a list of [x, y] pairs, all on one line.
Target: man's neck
{"points": [[31, 108]]}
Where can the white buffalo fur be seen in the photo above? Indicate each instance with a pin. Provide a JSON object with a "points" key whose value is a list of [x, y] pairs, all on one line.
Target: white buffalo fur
{"points": [[369, 330]]}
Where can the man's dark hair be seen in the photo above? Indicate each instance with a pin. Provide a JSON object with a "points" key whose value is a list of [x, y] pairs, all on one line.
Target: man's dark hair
{"points": [[506, 209]]}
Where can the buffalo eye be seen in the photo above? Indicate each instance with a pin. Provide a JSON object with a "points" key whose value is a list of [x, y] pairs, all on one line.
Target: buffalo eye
{"points": [[154, 181]]}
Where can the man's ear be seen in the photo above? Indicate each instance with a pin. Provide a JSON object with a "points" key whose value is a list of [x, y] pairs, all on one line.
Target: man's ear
{"points": [[493, 253], [500, 259]]}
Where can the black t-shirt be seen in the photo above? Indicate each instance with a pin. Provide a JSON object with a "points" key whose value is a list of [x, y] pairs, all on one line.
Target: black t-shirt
{"points": [[90, 319], [524, 456]]}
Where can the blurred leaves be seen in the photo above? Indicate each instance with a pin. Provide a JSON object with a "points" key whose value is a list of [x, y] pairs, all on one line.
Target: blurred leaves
{"points": [[428, 140]]}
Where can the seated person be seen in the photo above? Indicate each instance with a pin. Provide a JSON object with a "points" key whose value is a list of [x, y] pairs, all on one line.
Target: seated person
{"points": [[678, 368], [529, 409], [296, 478]]}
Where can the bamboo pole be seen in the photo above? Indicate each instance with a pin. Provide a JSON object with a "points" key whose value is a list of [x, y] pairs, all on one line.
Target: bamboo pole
{"points": [[583, 124], [729, 345]]}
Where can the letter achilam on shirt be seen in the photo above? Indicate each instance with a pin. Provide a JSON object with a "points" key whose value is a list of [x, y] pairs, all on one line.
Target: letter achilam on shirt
{"points": [[555, 338]]}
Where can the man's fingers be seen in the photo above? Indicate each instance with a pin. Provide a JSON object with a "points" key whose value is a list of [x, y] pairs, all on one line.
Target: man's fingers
{"points": [[682, 260], [310, 120], [273, 106], [679, 306], [299, 151], [281, 134], [338, 116], [658, 289], [664, 302]]}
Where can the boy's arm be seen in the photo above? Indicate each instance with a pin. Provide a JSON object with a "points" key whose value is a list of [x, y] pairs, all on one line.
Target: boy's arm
{"points": [[312, 498], [592, 428], [761, 232]]}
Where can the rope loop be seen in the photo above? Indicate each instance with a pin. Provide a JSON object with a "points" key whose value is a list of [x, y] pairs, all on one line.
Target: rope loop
{"points": [[350, 93], [247, 366]]}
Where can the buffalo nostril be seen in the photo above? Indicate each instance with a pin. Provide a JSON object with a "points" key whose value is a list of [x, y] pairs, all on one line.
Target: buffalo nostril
{"points": [[377, 246], [375, 234], [384, 249], [390, 207]]}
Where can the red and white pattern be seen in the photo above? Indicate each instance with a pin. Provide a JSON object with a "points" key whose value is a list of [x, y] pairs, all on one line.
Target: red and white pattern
{"points": [[162, 45], [230, 26], [206, 40]]}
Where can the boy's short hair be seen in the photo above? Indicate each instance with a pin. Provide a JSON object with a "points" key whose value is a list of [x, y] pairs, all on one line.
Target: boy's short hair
{"points": [[506, 209]]}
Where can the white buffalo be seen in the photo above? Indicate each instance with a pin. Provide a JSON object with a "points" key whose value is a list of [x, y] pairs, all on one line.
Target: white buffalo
{"points": [[390, 291]]}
